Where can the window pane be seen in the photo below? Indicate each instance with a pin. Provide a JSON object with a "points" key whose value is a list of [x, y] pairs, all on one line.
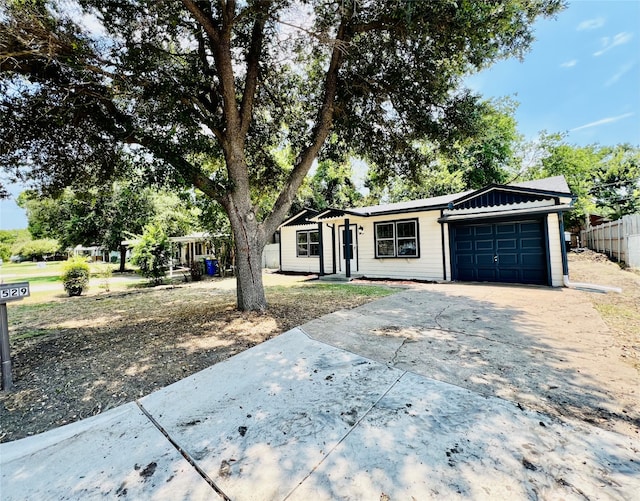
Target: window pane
{"points": [[314, 249], [384, 230], [313, 236], [407, 247], [385, 248], [406, 229], [302, 237]]}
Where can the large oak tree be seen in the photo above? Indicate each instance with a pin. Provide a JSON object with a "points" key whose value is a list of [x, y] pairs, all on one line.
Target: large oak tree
{"points": [[205, 93]]}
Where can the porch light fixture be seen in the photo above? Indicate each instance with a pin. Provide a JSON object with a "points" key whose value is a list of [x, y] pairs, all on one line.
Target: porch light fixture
{"points": [[360, 230]]}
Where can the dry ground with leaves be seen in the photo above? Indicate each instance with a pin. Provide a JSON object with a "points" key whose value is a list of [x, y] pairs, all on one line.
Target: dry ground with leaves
{"points": [[621, 312], [77, 357]]}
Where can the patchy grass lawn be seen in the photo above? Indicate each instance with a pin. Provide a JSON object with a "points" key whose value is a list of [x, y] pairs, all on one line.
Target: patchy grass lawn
{"points": [[76, 357]]}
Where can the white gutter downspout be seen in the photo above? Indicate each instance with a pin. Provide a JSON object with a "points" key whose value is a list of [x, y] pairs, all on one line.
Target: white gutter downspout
{"points": [[589, 287]]}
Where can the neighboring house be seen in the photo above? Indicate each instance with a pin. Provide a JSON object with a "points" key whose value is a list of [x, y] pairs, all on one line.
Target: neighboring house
{"points": [[501, 233], [92, 253], [188, 248], [192, 247]]}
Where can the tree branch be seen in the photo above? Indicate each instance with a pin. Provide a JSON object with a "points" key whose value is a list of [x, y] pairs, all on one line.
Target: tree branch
{"points": [[204, 20], [320, 133], [253, 67]]}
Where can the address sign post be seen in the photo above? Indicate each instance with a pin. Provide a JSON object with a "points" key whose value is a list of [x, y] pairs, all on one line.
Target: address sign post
{"points": [[8, 292]]}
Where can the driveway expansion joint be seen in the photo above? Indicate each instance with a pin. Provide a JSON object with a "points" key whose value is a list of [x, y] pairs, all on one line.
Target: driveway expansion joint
{"points": [[183, 453], [349, 431]]}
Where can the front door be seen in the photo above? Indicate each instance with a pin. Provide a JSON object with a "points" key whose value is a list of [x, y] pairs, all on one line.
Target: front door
{"points": [[349, 252]]}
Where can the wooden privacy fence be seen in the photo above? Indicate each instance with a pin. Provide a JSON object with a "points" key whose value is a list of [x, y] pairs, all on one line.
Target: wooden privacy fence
{"points": [[620, 239]]}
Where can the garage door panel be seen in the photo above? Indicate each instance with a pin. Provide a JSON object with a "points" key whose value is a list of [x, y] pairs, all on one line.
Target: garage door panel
{"points": [[506, 229], [465, 260], [530, 228], [520, 248], [508, 275], [509, 244], [485, 260], [531, 276], [534, 260], [486, 275], [483, 230], [508, 259], [531, 243], [484, 245]]}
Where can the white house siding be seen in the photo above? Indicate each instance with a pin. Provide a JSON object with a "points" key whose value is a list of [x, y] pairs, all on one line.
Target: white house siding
{"points": [[427, 267], [555, 250], [447, 252], [290, 260]]}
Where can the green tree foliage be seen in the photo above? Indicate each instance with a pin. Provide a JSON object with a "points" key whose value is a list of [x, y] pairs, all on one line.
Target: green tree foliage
{"points": [[331, 186], [7, 239], [11, 241], [152, 253], [38, 249], [75, 276], [203, 93], [469, 163], [106, 215], [605, 180], [616, 186]]}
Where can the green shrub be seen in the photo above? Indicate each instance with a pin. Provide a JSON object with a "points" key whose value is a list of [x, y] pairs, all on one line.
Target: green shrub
{"points": [[37, 249], [75, 276], [152, 253]]}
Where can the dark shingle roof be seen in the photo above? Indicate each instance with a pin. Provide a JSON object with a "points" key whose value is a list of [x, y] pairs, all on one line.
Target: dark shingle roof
{"points": [[556, 184]]}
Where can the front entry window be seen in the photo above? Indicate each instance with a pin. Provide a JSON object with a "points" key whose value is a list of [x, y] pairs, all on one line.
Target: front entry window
{"points": [[308, 243], [397, 238]]}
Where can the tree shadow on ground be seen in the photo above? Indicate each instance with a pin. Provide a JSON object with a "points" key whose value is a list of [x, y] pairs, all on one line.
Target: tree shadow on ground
{"points": [[87, 355], [296, 418]]}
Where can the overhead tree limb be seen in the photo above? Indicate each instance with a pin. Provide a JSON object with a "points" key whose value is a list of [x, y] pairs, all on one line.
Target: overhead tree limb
{"points": [[253, 68], [320, 133]]}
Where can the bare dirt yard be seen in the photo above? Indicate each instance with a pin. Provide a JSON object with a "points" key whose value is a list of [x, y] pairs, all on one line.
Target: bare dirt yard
{"points": [[621, 312], [77, 357]]}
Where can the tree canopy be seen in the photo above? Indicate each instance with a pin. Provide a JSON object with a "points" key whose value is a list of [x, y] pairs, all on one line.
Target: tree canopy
{"points": [[604, 179], [205, 93]]}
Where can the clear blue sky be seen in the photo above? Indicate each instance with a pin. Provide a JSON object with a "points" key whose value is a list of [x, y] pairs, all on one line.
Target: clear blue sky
{"points": [[581, 77]]}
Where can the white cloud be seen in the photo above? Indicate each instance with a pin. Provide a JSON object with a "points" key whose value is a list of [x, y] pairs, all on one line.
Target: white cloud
{"points": [[617, 76], [604, 121], [608, 43], [591, 24], [569, 64]]}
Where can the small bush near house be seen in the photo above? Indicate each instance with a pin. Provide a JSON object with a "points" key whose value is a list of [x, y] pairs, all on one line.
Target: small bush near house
{"points": [[152, 253], [196, 271], [75, 276]]}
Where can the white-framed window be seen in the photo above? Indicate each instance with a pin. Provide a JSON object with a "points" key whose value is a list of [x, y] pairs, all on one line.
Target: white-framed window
{"points": [[307, 243], [397, 238]]}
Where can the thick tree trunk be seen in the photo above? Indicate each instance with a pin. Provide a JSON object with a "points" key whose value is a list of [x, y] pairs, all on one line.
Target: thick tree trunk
{"points": [[249, 286], [248, 246], [249, 242]]}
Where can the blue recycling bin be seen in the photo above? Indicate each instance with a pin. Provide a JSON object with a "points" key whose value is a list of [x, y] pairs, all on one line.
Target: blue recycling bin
{"points": [[211, 266]]}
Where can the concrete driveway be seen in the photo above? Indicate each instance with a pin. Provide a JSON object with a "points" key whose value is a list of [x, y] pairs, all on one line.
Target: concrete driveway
{"points": [[444, 391]]}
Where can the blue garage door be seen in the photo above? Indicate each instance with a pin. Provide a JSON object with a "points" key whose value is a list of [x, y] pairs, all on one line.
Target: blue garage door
{"points": [[511, 251]]}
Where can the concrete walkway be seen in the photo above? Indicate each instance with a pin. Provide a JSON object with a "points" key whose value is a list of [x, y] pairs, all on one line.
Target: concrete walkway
{"points": [[296, 418]]}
